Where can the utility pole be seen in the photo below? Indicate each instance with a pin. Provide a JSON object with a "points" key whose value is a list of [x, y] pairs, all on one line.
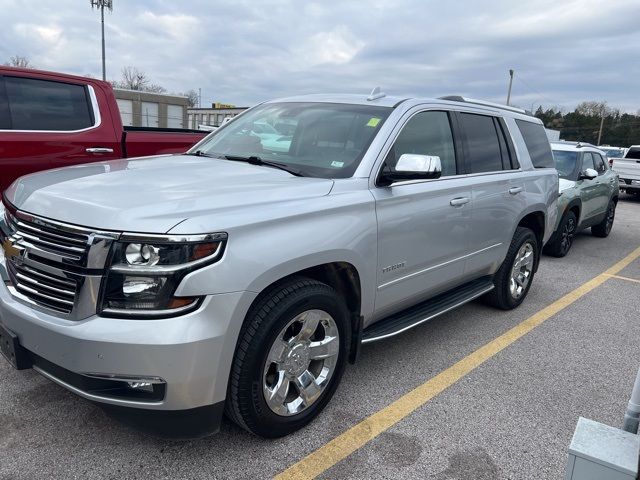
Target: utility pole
{"points": [[199, 97], [510, 85], [101, 5], [601, 124]]}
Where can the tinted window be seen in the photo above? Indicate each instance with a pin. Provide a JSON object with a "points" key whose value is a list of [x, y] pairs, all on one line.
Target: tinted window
{"points": [[537, 143], [587, 161], [5, 120], [599, 162], [483, 146], [633, 153], [45, 105], [427, 133], [566, 164]]}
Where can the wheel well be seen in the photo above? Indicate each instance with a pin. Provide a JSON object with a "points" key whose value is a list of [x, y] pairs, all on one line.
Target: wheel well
{"points": [[576, 210], [344, 279], [535, 222]]}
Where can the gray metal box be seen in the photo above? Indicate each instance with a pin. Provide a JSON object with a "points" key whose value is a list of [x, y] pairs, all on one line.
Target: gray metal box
{"points": [[601, 452]]}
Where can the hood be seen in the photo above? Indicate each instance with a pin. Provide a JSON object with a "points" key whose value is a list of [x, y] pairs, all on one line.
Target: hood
{"points": [[565, 184], [153, 194]]}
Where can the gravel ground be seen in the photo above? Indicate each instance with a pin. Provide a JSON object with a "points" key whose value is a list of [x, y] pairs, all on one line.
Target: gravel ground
{"points": [[512, 417]]}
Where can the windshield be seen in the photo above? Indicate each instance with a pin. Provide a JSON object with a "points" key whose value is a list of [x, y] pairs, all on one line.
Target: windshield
{"points": [[613, 152], [566, 164], [317, 139]]}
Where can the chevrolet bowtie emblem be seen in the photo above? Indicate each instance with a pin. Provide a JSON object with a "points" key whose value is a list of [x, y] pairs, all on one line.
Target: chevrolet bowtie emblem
{"points": [[10, 251]]}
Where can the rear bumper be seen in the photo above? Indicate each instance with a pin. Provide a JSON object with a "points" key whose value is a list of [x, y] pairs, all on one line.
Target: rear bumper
{"points": [[629, 185], [191, 354]]}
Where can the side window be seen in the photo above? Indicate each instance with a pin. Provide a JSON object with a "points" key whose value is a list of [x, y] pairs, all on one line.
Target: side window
{"points": [[45, 105], [599, 162], [587, 161], [426, 133], [537, 143], [5, 120], [483, 146]]}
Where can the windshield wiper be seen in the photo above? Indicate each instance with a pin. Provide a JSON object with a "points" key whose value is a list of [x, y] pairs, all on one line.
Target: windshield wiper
{"points": [[254, 160], [200, 153]]}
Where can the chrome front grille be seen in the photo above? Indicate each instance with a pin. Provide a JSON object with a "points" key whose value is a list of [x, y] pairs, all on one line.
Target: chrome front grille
{"points": [[34, 235], [41, 287], [54, 266]]}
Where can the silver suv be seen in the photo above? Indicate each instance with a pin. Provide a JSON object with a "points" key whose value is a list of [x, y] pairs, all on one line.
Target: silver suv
{"points": [[242, 276]]}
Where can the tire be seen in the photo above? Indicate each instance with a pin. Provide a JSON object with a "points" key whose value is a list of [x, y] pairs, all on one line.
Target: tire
{"points": [[258, 399], [603, 229], [563, 238], [524, 241]]}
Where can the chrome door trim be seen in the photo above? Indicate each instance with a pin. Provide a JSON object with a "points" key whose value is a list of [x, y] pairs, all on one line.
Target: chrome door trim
{"points": [[433, 267]]}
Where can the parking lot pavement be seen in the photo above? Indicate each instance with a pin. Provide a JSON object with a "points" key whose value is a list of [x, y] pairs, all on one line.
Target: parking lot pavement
{"points": [[511, 417]]}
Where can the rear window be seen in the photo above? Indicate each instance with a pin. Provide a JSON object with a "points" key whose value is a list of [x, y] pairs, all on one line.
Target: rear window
{"points": [[537, 143], [633, 153], [45, 105]]}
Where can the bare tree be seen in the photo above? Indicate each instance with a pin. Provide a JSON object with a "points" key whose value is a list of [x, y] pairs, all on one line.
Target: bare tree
{"points": [[134, 79], [19, 61], [192, 98]]}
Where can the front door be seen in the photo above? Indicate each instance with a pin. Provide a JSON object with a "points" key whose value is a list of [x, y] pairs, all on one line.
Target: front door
{"points": [[423, 226]]}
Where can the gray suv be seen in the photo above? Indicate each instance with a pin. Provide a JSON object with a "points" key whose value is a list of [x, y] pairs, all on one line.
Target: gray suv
{"points": [[242, 276]]}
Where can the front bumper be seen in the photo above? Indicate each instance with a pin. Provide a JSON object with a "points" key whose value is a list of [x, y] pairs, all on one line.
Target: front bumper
{"points": [[191, 353]]}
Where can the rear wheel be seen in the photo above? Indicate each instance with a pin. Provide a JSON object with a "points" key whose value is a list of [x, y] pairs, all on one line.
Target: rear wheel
{"points": [[603, 229], [290, 357], [563, 240], [513, 279]]}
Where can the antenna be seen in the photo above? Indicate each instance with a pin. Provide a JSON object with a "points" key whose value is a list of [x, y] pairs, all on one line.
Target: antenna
{"points": [[375, 94]]}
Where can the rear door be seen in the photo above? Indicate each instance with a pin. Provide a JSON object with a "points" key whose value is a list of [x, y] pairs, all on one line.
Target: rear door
{"points": [[423, 225], [497, 190], [589, 189], [605, 182], [51, 124]]}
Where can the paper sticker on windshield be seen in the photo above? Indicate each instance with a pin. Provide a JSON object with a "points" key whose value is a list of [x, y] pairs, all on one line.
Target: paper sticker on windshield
{"points": [[337, 164], [373, 122]]}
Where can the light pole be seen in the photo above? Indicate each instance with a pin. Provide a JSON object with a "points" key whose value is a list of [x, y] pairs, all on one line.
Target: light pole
{"points": [[101, 5], [510, 85]]}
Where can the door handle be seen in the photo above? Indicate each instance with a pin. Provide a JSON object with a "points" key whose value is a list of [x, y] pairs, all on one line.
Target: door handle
{"points": [[515, 190], [458, 202], [99, 150]]}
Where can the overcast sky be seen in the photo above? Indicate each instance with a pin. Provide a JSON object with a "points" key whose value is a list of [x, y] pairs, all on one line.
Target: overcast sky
{"points": [[242, 52]]}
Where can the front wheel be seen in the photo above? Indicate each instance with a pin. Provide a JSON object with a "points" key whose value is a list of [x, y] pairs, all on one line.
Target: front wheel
{"points": [[290, 357], [513, 279], [603, 229], [563, 238]]}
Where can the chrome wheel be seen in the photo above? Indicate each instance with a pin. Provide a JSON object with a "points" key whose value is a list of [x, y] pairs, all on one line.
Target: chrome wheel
{"points": [[567, 235], [301, 362], [521, 271]]}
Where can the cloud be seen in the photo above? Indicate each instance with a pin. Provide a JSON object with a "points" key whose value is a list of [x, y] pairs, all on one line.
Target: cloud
{"points": [[245, 51]]}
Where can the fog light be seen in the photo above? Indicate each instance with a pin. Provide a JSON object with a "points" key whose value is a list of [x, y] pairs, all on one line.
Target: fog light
{"points": [[141, 386]]}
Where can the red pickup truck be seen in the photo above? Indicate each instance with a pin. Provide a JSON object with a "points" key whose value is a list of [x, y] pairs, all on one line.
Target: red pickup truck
{"points": [[50, 120]]}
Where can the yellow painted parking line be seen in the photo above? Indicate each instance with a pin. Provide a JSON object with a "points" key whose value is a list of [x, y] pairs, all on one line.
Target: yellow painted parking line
{"points": [[360, 434], [622, 278]]}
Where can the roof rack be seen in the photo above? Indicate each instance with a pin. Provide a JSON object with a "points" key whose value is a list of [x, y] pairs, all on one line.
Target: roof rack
{"points": [[459, 98]]}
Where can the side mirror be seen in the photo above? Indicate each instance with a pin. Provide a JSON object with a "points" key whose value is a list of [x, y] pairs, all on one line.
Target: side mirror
{"points": [[414, 167], [588, 174]]}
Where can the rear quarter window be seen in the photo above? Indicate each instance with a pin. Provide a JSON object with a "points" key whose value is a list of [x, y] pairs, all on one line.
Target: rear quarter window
{"points": [[537, 144], [46, 105]]}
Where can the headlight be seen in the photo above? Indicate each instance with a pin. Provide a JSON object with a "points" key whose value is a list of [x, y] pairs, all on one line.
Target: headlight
{"points": [[145, 272]]}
